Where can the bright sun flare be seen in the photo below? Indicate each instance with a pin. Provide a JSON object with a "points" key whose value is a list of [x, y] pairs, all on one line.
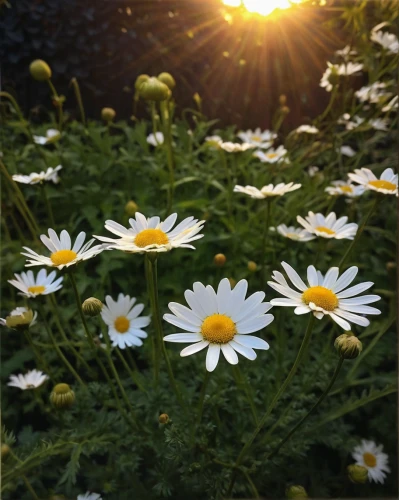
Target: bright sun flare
{"points": [[262, 7]]}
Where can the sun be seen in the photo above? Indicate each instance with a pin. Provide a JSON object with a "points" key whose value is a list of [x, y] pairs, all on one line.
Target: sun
{"points": [[262, 7]]}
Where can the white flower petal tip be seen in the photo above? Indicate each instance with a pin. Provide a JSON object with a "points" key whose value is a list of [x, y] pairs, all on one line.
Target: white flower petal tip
{"points": [[371, 456], [328, 226], [31, 380], [257, 138], [278, 155], [325, 296], [31, 286], [51, 174], [156, 139], [342, 188], [295, 233], [347, 69], [267, 191], [221, 321], [386, 184]]}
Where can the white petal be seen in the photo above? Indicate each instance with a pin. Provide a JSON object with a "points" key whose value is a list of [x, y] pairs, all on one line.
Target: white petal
{"points": [[331, 277], [230, 354], [251, 341], [212, 357], [192, 349], [355, 290], [247, 352], [181, 323], [254, 324], [294, 277], [347, 277], [183, 337]]}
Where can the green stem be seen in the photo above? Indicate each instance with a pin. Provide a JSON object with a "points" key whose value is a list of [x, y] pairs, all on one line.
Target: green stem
{"points": [[78, 96], [313, 409], [36, 352], [264, 240], [229, 191], [58, 104], [79, 306], [48, 206], [329, 106], [24, 478], [295, 366], [129, 370], [245, 386], [201, 403], [169, 152], [156, 349]]}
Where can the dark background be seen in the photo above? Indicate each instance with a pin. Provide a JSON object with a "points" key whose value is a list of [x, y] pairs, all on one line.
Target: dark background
{"points": [[239, 66]]}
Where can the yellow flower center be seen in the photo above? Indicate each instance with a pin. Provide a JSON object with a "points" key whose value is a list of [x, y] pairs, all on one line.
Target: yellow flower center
{"points": [[151, 237], [389, 186], [293, 236], [324, 229], [346, 189], [218, 329], [121, 324], [63, 257], [37, 289], [369, 459], [256, 138], [321, 297], [271, 155]]}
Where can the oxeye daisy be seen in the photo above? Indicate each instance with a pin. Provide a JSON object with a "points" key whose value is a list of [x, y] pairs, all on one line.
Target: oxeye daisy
{"points": [[152, 235], [41, 285], [347, 151], [267, 191], [272, 155], [155, 139], [31, 380], [236, 147], [295, 233], [386, 184], [307, 129], [89, 496], [213, 141], [326, 295], [19, 316], [388, 41], [220, 321], [348, 189], [62, 255], [51, 174], [262, 140], [124, 321], [328, 227], [52, 135], [369, 455]]}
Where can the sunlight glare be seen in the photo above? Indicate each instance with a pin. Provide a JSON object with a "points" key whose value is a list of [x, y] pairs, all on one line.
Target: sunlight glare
{"points": [[262, 7]]}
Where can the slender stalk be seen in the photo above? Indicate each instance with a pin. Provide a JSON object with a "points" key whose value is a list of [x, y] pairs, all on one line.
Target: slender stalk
{"points": [[129, 370], [58, 104], [244, 385], [48, 205], [156, 348], [329, 106], [24, 478], [359, 232], [313, 409], [229, 191], [264, 240], [283, 387], [36, 352], [79, 306], [169, 153], [201, 404], [78, 96]]}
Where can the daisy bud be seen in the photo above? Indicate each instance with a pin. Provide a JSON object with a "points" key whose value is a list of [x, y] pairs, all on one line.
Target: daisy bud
{"points": [[62, 396], [167, 79], [5, 450], [108, 114], [296, 491], [219, 260], [92, 307], [285, 110], [282, 100], [357, 473], [163, 418], [348, 345], [131, 208], [40, 70], [20, 321], [252, 266], [139, 80], [197, 99], [154, 90]]}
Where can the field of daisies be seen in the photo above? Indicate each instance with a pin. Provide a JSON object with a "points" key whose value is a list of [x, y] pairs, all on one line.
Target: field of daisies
{"points": [[203, 313]]}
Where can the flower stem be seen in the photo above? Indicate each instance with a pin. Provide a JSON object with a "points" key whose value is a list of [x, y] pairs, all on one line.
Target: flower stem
{"points": [[295, 366], [78, 96], [48, 205], [244, 385], [58, 104], [129, 370], [165, 112], [264, 240], [201, 403], [229, 191], [79, 306], [314, 407], [36, 352], [24, 478]]}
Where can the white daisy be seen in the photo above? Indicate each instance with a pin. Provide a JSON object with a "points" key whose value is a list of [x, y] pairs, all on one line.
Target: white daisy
{"points": [[389, 41], [31, 380], [347, 151], [369, 455], [325, 296], [386, 184], [236, 147], [213, 141], [328, 227], [50, 175], [124, 324], [392, 105], [340, 188], [379, 124], [19, 311], [350, 124], [89, 496], [155, 139], [52, 135], [346, 52], [373, 93], [312, 171], [257, 138], [332, 70], [295, 233], [62, 255], [220, 321], [152, 235], [308, 129], [41, 285], [267, 191], [272, 155]]}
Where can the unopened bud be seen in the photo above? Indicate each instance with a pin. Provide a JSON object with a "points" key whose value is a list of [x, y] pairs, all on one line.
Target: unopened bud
{"points": [[357, 473], [139, 80], [163, 418], [296, 491], [20, 321], [5, 450], [219, 260], [348, 345], [154, 90], [40, 70], [62, 396], [131, 208], [252, 266], [197, 100], [285, 110], [92, 307], [167, 79], [108, 114], [282, 100]]}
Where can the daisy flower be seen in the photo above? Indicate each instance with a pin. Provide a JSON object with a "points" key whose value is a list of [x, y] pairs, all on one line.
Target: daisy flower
{"points": [[312, 171], [386, 184], [346, 52], [20, 311], [50, 175], [308, 129], [213, 141], [124, 321], [379, 124], [328, 227], [267, 191], [350, 124], [31, 380], [152, 235], [295, 233], [220, 321], [347, 151], [236, 147], [332, 70], [62, 255], [325, 296], [89, 496], [392, 105], [52, 135], [272, 155], [339, 188], [155, 139], [370, 456], [373, 93], [389, 41], [262, 140], [41, 285]]}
